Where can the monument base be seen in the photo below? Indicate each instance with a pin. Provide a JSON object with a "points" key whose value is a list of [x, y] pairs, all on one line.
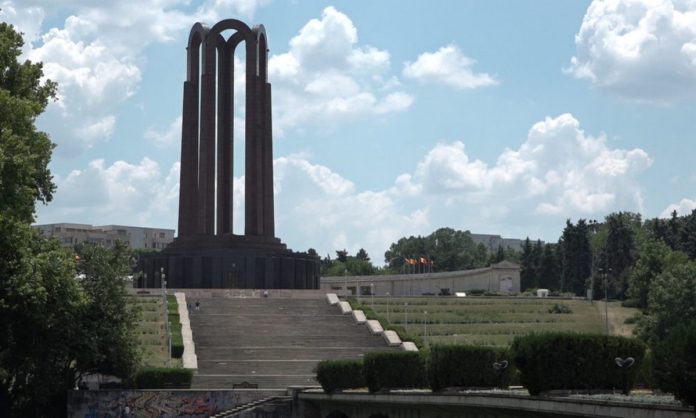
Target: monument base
{"points": [[229, 262]]}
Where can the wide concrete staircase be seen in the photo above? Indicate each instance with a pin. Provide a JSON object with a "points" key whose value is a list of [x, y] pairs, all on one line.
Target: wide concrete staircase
{"points": [[272, 342]]}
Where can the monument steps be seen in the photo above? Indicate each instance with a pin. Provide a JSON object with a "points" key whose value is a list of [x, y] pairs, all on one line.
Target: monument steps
{"points": [[271, 342]]}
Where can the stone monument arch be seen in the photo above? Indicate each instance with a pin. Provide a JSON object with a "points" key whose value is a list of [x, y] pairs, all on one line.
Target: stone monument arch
{"points": [[207, 253]]}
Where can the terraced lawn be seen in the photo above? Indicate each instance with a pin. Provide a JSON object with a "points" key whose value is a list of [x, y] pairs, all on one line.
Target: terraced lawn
{"points": [[151, 333], [492, 320]]}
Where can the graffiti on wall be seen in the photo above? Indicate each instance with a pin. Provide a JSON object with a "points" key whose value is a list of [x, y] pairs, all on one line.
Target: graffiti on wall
{"points": [[156, 404]]}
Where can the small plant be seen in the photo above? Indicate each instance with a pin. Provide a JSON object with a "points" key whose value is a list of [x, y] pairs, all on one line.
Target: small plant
{"points": [[559, 308]]}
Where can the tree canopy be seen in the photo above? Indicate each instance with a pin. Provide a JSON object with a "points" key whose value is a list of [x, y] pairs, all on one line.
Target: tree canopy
{"points": [[55, 325]]}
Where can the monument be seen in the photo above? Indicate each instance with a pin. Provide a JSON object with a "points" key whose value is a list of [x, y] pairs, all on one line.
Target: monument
{"points": [[207, 253]]}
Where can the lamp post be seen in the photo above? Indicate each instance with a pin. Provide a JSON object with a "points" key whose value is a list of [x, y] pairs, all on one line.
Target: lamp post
{"points": [[606, 296], [166, 310], [372, 296], [405, 315], [425, 328], [345, 281], [388, 300]]}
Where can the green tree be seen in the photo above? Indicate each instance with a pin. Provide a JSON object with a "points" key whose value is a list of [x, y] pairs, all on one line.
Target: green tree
{"points": [[108, 317], [549, 269], [362, 255], [576, 257], [54, 327], [342, 255], [670, 301], [653, 257], [687, 235], [24, 151], [620, 249], [527, 267]]}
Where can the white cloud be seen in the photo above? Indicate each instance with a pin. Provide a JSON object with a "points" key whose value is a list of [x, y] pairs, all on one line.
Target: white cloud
{"points": [[559, 170], [642, 50], [167, 137], [684, 207], [449, 66], [120, 193], [97, 58], [326, 77]]}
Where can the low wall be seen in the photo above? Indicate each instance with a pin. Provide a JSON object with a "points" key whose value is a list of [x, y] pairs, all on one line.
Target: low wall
{"points": [[473, 405], [160, 403]]}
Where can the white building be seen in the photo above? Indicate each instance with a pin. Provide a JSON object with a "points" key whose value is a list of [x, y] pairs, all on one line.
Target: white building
{"points": [[136, 236]]}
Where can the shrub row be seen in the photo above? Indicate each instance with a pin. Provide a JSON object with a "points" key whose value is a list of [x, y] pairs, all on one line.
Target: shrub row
{"points": [[542, 362], [563, 361], [447, 366], [163, 378], [468, 366], [175, 321], [340, 374], [674, 362]]}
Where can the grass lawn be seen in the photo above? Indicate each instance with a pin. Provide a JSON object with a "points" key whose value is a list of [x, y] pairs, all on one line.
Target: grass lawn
{"points": [[494, 320], [152, 334]]}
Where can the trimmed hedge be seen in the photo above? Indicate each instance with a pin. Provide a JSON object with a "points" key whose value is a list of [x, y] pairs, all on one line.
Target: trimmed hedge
{"points": [[340, 374], [163, 378], [175, 320], [562, 361], [467, 366], [674, 362], [391, 370]]}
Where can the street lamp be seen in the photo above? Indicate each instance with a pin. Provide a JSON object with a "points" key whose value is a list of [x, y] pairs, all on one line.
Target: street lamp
{"points": [[405, 315], [425, 327], [345, 282], [388, 300], [372, 296], [606, 296], [166, 310]]}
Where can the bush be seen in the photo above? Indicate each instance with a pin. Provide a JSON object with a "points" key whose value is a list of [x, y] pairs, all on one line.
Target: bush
{"points": [[340, 374], [177, 339], [396, 369], [562, 361], [476, 292], [674, 362], [559, 308], [466, 366], [163, 378]]}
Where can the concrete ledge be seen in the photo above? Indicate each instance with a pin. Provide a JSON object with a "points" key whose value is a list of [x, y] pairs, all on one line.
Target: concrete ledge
{"points": [[392, 338], [332, 298], [189, 357], [409, 346], [359, 317], [345, 307], [426, 404], [374, 326]]}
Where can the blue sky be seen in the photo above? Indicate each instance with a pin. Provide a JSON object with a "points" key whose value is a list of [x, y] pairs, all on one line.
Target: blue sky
{"points": [[391, 118]]}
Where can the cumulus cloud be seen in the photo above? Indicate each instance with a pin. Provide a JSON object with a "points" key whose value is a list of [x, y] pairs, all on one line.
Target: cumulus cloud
{"points": [[558, 170], [449, 66], [97, 59], [642, 50], [684, 207], [326, 77], [120, 193], [165, 137]]}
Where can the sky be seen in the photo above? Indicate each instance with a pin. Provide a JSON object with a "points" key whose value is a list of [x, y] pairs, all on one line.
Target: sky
{"points": [[391, 118]]}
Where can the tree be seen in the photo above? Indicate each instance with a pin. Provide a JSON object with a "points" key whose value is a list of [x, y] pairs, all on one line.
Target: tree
{"points": [[549, 269], [620, 249], [687, 235], [108, 317], [576, 257], [24, 151], [527, 268], [653, 257], [362, 255], [670, 301], [54, 327], [342, 255]]}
